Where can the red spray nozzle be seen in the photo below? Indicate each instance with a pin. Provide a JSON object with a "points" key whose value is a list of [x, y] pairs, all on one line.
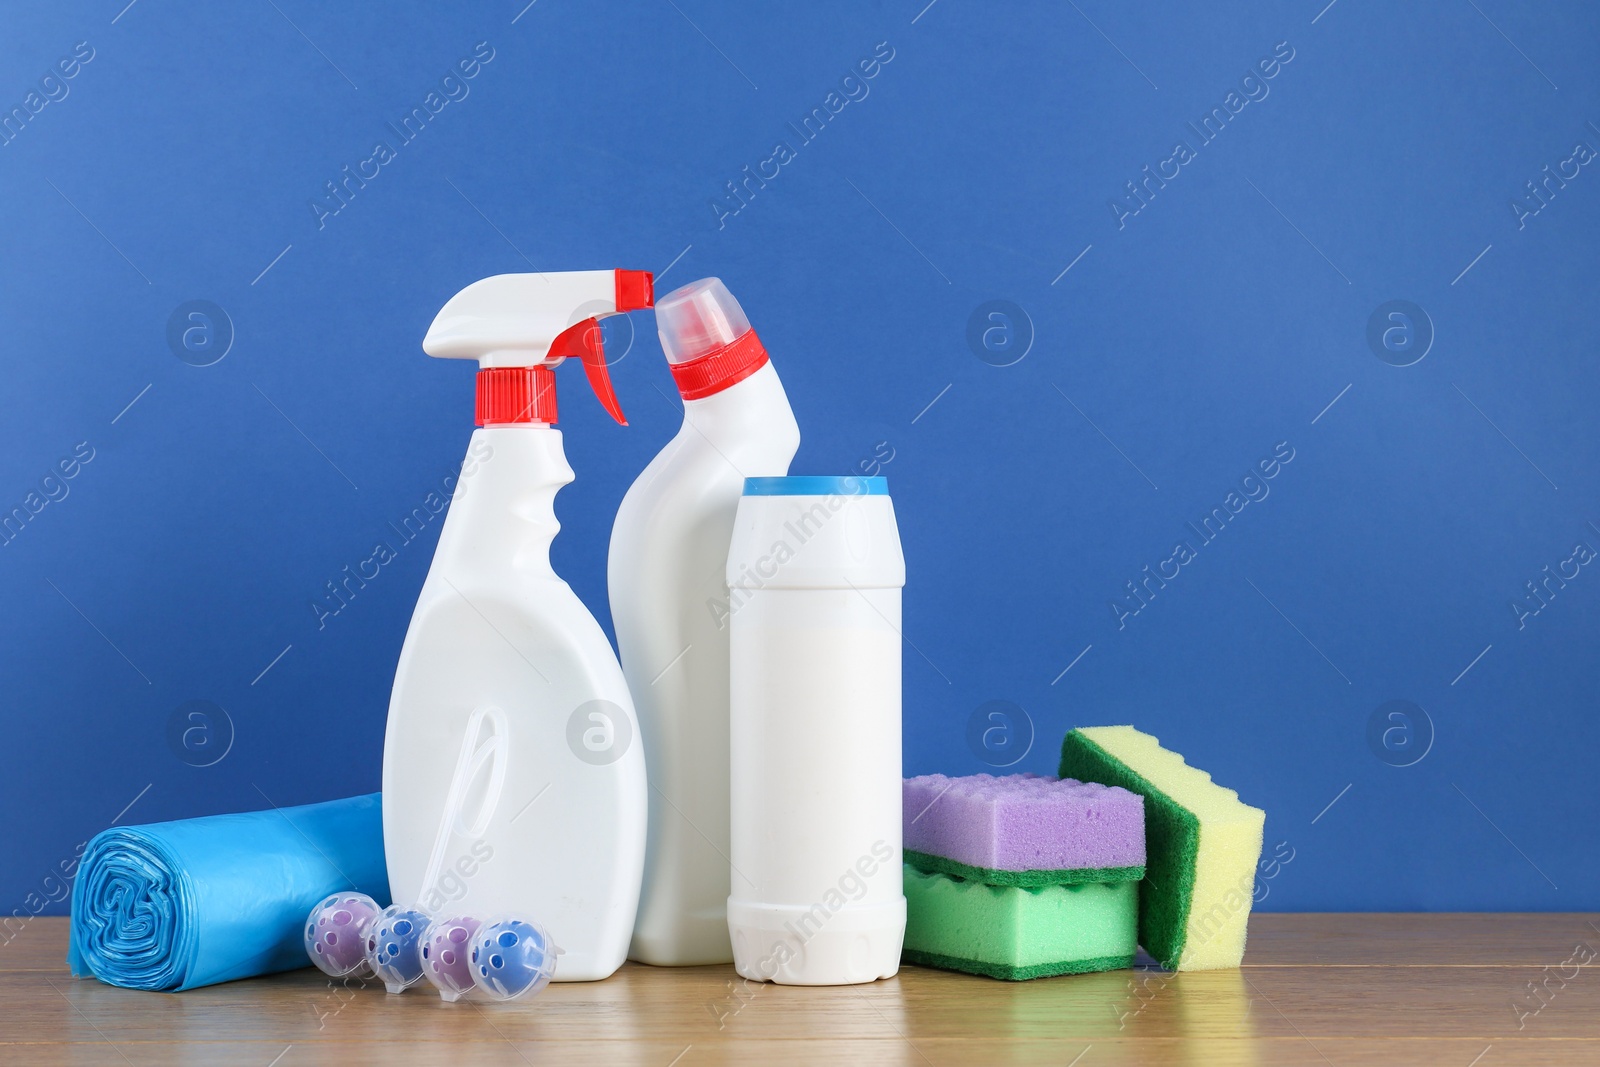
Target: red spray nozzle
{"points": [[635, 289], [516, 327], [585, 341]]}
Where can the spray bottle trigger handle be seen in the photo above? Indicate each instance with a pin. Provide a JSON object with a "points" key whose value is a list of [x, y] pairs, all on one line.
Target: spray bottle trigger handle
{"points": [[585, 341]]}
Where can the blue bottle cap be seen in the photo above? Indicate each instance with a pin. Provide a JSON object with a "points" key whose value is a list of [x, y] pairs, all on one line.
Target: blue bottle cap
{"points": [[817, 485]]}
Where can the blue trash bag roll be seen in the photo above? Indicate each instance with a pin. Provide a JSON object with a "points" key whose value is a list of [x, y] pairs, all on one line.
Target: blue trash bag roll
{"points": [[178, 905]]}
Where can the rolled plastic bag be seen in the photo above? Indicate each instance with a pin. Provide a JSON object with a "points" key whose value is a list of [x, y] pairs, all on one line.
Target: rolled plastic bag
{"points": [[177, 905]]}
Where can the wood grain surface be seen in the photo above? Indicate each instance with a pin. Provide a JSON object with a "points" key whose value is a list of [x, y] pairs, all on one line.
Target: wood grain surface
{"points": [[1315, 989]]}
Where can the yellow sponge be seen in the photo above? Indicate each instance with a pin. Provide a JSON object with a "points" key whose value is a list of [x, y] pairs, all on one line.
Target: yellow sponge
{"points": [[1202, 846]]}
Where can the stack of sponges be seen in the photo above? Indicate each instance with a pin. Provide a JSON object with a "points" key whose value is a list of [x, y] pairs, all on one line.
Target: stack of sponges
{"points": [[1021, 876], [1204, 846]]}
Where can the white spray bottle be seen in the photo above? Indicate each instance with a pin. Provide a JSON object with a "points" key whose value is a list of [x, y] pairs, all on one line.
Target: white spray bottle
{"points": [[669, 602], [513, 776]]}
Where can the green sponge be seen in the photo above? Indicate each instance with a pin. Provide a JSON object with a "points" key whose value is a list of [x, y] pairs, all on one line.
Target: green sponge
{"points": [[1202, 846], [1017, 932]]}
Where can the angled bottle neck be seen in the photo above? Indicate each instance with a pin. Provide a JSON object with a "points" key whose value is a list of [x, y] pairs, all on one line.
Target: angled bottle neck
{"points": [[750, 410], [503, 509]]}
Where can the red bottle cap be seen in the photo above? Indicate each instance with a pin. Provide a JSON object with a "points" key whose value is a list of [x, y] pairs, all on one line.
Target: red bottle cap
{"points": [[516, 394], [707, 338], [720, 368]]}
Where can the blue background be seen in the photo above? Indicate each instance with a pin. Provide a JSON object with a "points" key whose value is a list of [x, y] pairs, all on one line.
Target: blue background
{"points": [[1176, 353]]}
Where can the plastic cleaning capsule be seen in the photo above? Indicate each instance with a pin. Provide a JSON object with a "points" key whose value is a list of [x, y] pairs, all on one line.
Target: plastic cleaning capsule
{"points": [[336, 933]]}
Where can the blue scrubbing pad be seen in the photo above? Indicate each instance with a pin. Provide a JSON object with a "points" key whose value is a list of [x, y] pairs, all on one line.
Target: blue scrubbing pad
{"points": [[176, 905]]}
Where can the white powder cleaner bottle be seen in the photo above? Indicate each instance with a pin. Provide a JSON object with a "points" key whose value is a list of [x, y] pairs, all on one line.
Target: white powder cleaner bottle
{"points": [[815, 574]]}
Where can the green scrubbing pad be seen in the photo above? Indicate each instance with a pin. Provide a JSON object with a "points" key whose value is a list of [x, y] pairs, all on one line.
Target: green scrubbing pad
{"points": [[1202, 846], [924, 861], [1018, 932]]}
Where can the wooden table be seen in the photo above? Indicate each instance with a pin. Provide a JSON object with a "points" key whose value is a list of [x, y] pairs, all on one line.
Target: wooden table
{"points": [[1315, 989]]}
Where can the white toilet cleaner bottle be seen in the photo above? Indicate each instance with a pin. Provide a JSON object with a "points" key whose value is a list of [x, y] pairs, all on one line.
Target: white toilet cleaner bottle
{"points": [[669, 602], [513, 774]]}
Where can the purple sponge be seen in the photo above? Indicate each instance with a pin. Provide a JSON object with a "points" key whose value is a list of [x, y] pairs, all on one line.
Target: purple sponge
{"points": [[1023, 830]]}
